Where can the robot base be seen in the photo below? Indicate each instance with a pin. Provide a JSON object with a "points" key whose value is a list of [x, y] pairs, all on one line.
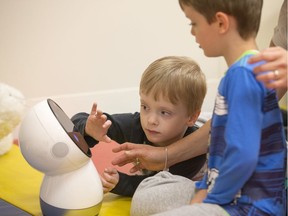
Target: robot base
{"points": [[49, 210]]}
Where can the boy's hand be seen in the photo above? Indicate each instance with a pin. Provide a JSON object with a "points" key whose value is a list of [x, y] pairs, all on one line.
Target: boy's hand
{"points": [[199, 196], [97, 125], [110, 179]]}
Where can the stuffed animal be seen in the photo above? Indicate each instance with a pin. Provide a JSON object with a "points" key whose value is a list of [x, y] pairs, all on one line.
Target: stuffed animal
{"points": [[12, 105]]}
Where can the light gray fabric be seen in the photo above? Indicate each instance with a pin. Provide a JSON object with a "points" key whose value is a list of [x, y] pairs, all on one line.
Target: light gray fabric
{"points": [[160, 193], [203, 209], [280, 31]]}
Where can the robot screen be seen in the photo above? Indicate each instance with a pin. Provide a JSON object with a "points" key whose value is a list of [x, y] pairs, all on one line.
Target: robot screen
{"points": [[68, 126]]}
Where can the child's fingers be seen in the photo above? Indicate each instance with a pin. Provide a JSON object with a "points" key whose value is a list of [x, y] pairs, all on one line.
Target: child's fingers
{"points": [[106, 139], [106, 190], [107, 124], [93, 109], [99, 114], [107, 186], [110, 170], [110, 179]]}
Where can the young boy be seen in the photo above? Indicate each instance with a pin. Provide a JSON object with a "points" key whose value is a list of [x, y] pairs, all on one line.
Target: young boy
{"points": [[247, 153], [172, 90]]}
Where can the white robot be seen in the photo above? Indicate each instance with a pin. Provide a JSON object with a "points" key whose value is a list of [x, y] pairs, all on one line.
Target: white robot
{"points": [[50, 144]]}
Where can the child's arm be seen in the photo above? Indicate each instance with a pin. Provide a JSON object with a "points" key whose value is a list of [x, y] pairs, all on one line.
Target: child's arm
{"points": [[199, 196], [240, 136], [97, 125], [109, 179]]}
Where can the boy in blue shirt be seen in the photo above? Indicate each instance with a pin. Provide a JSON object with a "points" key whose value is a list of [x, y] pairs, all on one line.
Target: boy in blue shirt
{"points": [[247, 153]]}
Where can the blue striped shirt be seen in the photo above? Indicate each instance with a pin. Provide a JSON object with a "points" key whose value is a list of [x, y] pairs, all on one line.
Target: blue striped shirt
{"points": [[247, 153]]}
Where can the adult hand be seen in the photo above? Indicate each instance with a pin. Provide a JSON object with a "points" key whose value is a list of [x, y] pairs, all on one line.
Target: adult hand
{"points": [[276, 63], [145, 156]]}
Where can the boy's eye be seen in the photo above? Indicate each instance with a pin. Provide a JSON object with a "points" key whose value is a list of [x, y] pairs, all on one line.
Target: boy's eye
{"points": [[165, 113], [144, 107]]}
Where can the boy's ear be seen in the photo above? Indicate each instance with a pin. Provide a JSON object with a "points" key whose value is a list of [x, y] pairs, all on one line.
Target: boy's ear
{"points": [[192, 119], [223, 22]]}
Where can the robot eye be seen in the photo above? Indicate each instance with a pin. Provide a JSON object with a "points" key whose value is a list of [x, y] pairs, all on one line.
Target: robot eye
{"points": [[60, 150]]}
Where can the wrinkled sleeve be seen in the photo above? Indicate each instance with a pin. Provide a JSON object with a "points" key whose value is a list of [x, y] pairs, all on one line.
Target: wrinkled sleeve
{"points": [[125, 127], [128, 184]]}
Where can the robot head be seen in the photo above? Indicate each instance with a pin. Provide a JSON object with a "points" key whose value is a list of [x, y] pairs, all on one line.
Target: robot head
{"points": [[49, 142]]}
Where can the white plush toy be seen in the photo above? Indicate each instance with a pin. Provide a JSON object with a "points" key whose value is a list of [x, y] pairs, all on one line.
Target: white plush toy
{"points": [[11, 112]]}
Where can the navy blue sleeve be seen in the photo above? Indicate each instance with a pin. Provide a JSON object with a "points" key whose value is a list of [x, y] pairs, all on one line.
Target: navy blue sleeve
{"points": [[125, 127], [128, 184]]}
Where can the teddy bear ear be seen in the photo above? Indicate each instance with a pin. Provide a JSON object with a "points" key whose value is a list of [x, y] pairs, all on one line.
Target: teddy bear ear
{"points": [[11, 99], [12, 106]]}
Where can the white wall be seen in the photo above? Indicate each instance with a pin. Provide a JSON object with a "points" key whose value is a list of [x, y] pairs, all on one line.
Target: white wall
{"points": [[80, 51]]}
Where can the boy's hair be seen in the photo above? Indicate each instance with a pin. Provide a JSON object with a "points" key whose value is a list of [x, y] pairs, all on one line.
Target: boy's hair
{"points": [[176, 78], [246, 12]]}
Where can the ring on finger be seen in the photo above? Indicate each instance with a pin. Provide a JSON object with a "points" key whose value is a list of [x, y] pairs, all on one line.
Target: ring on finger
{"points": [[137, 161], [276, 74]]}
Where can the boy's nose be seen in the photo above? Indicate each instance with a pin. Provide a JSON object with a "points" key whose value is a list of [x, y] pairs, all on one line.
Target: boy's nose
{"points": [[152, 119], [192, 32]]}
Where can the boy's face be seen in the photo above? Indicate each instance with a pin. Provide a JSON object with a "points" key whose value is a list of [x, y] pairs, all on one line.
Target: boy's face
{"points": [[206, 34], [162, 121]]}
